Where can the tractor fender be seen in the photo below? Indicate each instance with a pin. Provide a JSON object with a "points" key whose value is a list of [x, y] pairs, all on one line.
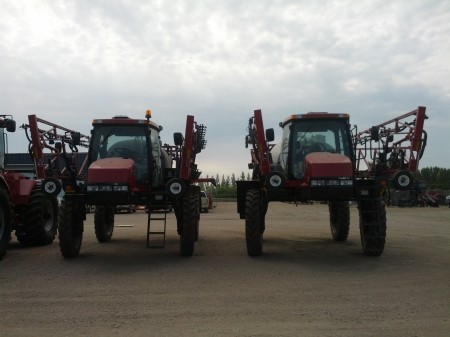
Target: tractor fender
{"points": [[19, 187]]}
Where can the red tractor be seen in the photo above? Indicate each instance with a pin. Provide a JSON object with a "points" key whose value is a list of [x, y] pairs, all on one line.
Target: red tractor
{"points": [[6, 207], [320, 157], [128, 164], [28, 196]]}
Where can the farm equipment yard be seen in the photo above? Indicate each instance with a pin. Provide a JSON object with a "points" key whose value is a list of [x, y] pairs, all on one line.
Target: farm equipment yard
{"points": [[305, 283]]}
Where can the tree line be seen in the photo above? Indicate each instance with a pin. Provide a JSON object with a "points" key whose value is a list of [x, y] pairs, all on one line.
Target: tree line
{"points": [[225, 185], [436, 178]]}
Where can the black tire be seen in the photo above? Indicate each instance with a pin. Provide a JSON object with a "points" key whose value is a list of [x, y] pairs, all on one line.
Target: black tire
{"points": [[254, 223], [39, 219], [372, 226], [70, 228], [189, 224], [104, 222], [5, 222], [199, 202], [339, 219]]}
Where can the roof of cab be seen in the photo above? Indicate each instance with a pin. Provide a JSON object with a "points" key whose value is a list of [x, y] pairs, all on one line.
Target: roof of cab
{"points": [[313, 115], [121, 120]]}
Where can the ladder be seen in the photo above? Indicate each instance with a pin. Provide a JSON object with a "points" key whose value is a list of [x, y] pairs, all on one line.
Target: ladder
{"points": [[156, 222]]}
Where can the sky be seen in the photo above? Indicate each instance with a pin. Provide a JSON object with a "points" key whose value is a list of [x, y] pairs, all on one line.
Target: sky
{"points": [[71, 61]]}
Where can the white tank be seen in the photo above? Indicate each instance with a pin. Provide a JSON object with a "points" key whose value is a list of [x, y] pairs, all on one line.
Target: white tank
{"points": [[166, 161], [278, 163], [276, 152]]}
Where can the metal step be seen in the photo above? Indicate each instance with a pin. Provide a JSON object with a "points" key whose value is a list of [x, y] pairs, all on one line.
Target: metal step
{"points": [[156, 223]]}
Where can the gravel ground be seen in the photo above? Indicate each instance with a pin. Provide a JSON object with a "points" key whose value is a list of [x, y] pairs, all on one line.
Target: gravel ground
{"points": [[305, 284]]}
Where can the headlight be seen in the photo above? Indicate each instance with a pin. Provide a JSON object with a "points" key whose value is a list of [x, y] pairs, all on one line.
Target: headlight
{"points": [[120, 188], [92, 188], [107, 188], [331, 182]]}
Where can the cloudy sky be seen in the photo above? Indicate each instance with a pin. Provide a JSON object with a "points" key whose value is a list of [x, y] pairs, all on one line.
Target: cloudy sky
{"points": [[71, 61]]}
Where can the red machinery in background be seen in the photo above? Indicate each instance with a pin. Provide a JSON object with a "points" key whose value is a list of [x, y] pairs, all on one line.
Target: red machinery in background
{"points": [[28, 196], [393, 148]]}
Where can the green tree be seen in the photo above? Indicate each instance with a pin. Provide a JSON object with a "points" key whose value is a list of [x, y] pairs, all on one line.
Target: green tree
{"points": [[217, 180], [233, 180], [223, 181], [435, 177]]}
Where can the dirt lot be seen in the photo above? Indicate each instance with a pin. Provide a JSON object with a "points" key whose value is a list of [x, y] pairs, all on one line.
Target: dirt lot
{"points": [[304, 285]]}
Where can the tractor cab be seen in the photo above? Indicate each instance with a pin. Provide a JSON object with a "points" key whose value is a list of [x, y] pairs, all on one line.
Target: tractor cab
{"points": [[318, 141], [126, 153]]}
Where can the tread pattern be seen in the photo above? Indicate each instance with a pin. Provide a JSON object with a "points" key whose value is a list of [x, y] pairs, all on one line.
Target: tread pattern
{"points": [[70, 228], [372, 225], [104, 222], [5, 222], [189, 221], [339, 219], [39, 219], [254, 223]]}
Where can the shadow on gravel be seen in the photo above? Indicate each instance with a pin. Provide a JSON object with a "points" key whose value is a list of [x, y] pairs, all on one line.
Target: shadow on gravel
{"points": [[317, 253]]}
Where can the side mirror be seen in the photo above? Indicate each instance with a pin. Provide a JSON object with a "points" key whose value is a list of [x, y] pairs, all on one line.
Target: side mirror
{"points": [[76, 137], [10, 125], [178, 138], [270, 135], [374, 133]]}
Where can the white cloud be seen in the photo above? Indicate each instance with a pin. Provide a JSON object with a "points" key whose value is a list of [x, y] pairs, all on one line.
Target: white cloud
{"points": [[220, 60]]}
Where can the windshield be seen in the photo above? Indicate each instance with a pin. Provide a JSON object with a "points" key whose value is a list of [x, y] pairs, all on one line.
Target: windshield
{"points": [[324, 135], [118, 141]]}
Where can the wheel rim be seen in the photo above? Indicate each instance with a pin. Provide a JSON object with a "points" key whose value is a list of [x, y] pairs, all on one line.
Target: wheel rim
{"points": [[50, 187], [403, 181]]}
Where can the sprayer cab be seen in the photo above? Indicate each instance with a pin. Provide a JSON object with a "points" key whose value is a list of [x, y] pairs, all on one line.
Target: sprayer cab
{"points": [[313, 161], [125, 158], [315, 150]]}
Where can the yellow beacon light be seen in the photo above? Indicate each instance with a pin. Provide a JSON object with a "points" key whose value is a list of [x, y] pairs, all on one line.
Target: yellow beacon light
{"points": [[148, 114]]}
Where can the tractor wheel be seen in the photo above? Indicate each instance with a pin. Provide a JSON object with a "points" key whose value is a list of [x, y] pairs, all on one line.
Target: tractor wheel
{"points": [[402, 180], [5, 222], [254, 222], [39, 219], [372, 226], [104, 222], [70, 228], [189, 223], [339, 219]]}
